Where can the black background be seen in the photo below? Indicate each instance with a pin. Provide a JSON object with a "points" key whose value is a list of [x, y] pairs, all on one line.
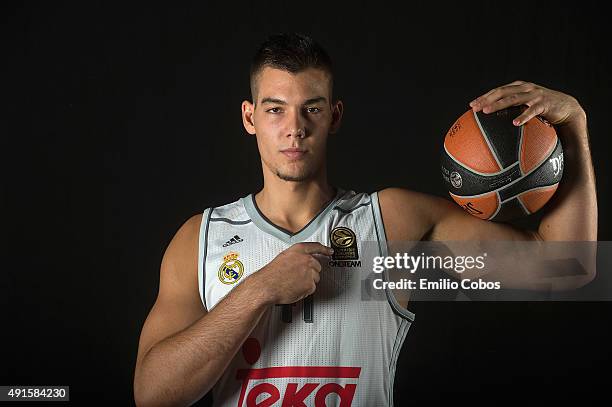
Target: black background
{"points": [[122, 122]]}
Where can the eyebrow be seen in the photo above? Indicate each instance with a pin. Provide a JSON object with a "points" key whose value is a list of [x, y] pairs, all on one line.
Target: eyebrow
{"points": [[315, 100], [282, 102]]}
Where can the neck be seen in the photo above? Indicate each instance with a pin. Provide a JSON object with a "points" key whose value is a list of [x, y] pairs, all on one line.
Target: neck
{"points": [[292, 205]]}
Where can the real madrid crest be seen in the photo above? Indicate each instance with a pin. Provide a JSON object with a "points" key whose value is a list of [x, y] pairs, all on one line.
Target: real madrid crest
{"points": [[231, 270], [344, 243]]}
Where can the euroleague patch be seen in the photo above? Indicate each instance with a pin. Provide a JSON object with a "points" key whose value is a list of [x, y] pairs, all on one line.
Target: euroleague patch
{"points": [[231, 270], [344, 242]]}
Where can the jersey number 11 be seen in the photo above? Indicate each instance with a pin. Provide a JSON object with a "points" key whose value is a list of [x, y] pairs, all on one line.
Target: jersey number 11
{"points": [[307, 306]]}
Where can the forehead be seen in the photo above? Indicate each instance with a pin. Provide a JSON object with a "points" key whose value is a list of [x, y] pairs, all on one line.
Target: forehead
{"points": [[278, 83]]}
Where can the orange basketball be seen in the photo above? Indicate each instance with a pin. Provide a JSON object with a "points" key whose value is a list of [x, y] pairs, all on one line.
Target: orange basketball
{"points": [[498, 171]]}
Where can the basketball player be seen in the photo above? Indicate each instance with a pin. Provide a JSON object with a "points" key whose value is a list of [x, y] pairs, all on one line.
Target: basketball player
{"points": [[223, 316]]}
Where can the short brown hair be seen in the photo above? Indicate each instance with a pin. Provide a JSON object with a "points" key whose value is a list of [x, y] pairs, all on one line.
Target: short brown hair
{"points": [[291, 52]]}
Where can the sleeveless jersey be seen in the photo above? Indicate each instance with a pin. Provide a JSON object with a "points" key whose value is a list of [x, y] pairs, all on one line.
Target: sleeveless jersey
{"points": [[335, 347]]}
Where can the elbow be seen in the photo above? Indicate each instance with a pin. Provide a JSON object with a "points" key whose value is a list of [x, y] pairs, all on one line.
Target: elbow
{"points": [[144, 391], [588, 263], [584, 280], [142, 397], [591, 271], [573, 263], [156, 392]]}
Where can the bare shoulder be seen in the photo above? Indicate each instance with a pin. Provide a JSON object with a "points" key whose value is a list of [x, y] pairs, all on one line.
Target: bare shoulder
{"points": [[180, 262], [411, 215], [178, 301]]}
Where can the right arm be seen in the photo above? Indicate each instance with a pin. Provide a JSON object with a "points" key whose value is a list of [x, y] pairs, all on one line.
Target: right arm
{"points": [[184, 350]]}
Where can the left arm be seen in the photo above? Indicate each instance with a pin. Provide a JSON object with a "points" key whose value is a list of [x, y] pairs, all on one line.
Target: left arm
{"points": [[572, 216]]}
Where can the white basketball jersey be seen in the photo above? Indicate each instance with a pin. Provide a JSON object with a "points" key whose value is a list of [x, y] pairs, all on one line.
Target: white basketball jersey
{"points": [[334, 348]]}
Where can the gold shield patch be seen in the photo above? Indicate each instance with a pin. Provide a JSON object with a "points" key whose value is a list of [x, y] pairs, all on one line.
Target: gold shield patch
{"points": [[344, 243], [231, 270]]}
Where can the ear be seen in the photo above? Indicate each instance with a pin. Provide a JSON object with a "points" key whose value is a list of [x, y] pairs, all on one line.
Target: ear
{"points": [[337, 110], [248, 115]]}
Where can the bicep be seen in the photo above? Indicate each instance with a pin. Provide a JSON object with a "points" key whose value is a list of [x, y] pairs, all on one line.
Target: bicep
{"points": [[450, 222], [413, 216], [178, 303]]}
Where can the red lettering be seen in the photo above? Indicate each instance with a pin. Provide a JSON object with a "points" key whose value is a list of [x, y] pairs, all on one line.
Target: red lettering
{"points": [[263, 388], [346, 394], [296, 399]]}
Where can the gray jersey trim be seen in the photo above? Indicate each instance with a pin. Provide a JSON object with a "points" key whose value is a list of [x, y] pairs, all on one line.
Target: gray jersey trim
{"points": [[268, 227], [233, 222], [407, 317], [382, 242], [399, 341], [203, 247], [352, 209]]}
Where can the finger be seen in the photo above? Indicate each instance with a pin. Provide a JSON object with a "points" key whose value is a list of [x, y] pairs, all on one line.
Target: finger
{"points": [[321, 259], [315, 264], [494, 89], [498, 88], [316, 248], [496, 94], [514, 99], [514, 83], [479, 98], [316, 277], [529, 114]]}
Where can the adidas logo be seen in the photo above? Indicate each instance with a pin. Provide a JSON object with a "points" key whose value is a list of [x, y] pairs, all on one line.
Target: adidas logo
{"points": [[233, 240]]}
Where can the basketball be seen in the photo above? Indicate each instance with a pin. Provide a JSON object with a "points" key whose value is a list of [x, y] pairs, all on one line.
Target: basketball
{"points": [[498, 171]]}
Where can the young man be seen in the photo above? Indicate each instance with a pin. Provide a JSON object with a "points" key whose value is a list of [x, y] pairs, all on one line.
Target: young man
{"points": [[215, 322]]}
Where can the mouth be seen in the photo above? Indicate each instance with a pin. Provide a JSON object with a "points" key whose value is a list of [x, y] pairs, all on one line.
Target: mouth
{"points": [[294, 153]]}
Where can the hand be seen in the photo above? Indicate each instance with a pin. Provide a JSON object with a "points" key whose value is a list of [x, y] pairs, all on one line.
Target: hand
{"points": [[294, 273], [556, 107]]}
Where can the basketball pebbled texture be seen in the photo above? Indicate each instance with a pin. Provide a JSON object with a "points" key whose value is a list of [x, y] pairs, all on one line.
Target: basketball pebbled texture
{"points": [[498, 171]]}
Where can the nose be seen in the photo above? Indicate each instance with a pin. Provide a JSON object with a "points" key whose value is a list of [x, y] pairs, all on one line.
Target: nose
{"points": [[296, 125]]}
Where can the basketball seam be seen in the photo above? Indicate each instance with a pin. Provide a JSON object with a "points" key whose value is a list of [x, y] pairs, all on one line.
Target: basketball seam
{"points": [[513, 182], [499, 204], [518, 198], [473, 196], [529, 190], [497, 191], [546, 157], [478, 172], [486, 137], [520, 152]]}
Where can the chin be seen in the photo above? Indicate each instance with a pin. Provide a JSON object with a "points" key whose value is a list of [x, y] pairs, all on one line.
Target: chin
{"points": [[294, 173], [293, 177]]}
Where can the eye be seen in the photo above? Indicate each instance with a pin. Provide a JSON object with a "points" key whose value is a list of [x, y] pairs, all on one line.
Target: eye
{"points": [[313, 110], [274, 110]]}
